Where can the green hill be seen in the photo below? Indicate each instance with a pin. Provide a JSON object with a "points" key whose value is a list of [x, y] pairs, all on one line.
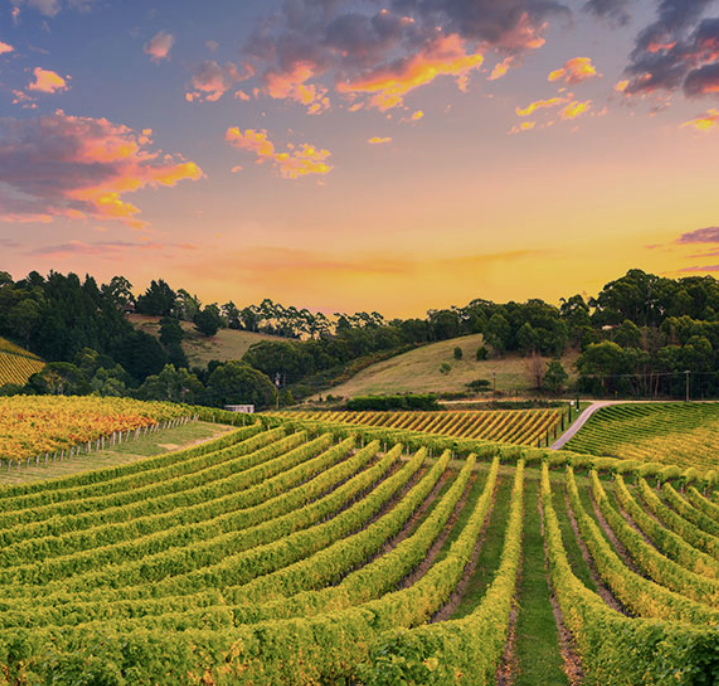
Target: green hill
{"points": [[227, 344], [419, 371]]}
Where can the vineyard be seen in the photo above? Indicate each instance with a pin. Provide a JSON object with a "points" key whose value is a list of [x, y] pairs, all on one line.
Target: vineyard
{"points": [[520, 427], [685, 434], [290, 552], [16, 364], [34, 426]]}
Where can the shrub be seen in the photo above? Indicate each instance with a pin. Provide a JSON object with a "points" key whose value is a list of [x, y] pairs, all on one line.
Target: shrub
{"points": [[457, 353], [479, 385], [482, 353]]}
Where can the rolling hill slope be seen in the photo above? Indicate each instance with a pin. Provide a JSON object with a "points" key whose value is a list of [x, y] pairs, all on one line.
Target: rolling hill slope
{"points": [[228, 344], [419, 371]]}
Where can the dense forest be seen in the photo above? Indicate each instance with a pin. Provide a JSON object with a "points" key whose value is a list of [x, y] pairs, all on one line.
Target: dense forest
{"points": [[642, 335]]}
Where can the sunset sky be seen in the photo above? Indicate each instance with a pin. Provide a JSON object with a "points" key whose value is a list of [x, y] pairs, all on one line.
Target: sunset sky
{"points": [[394, 155]]}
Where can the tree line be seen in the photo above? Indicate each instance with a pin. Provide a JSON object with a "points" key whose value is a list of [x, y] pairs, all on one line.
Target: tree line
{"points": [[640, 335]]}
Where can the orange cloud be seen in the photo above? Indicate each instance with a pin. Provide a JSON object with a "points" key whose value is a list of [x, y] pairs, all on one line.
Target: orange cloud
{"points": [[299, 161], [4, 48], [386, 86], [658, 47], [706, 122], [159, 46], [575, 70], [500, 69], [575, 109], [47, 81], [79, 167], [524, 126], [417, 115], [621, 86], [376, 140], [539, 104]]}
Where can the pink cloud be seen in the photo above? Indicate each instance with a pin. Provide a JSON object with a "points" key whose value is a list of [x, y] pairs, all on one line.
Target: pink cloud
{"points": [[159, 46], [292, 85], [104, 249], [79, 167], [709, 234], [212, 80], [24, 100], [5, 48], [51, 7]]}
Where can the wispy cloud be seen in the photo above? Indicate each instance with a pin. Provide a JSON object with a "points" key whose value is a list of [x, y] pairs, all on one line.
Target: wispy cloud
{"points": [[50, 8], [297, 161], [709, 234], [576, 70], [538, 105], [705, 122], [575, 109], [104, 249]]}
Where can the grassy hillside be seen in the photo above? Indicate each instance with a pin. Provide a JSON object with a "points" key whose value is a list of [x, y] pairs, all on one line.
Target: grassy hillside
{"points": [[419, 371], [685, 434], [17, 365], [228, 344]]}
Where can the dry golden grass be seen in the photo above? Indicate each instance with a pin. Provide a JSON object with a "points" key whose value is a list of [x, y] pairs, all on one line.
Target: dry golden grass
{"points": [[228, 344], [419, 371]]}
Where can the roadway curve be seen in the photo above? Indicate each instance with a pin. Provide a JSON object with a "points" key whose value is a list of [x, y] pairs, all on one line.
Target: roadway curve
{"points": [[580, 421]]}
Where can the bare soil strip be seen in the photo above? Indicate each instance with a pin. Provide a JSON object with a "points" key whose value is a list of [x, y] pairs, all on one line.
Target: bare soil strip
{"points": [[450, 607], [417, 515], [602, 589], [618, 547], [419, 571], [509, 666]]}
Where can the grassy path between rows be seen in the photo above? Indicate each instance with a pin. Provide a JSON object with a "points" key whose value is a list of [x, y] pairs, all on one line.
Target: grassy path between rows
{"points": [[146, 446], [537, 651]]}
